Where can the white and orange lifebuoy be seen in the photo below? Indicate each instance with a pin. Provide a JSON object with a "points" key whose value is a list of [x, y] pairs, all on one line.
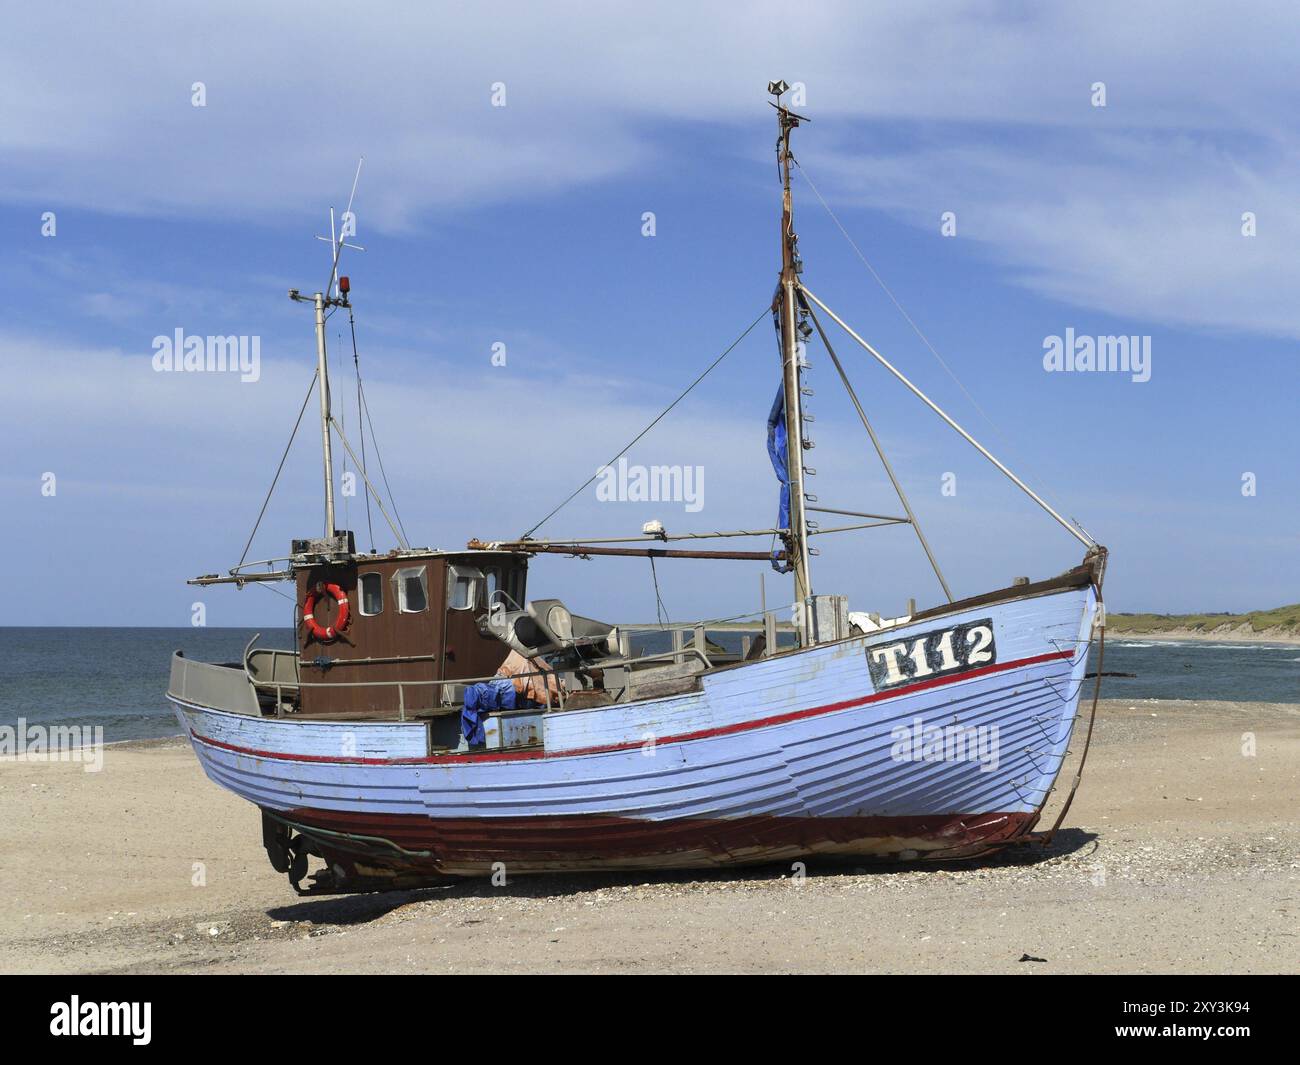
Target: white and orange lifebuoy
{"points": [[325, 633]]}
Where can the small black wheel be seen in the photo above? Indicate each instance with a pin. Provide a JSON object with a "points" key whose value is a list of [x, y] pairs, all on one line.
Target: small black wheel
{"points": [[298, 867], [279, 855]]}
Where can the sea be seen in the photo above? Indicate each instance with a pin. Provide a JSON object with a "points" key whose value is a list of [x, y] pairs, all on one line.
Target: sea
{"points": [[116, 677]]}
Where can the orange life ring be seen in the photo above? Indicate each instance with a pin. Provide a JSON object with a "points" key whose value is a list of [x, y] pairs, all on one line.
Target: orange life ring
{"points": [[326, 633]]}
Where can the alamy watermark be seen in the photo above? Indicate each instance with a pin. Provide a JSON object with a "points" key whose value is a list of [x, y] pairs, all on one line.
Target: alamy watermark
{"points": [[56, 743], [624, 483], [919, 742], [1078, 354], [179, 353], [77, 1018]]}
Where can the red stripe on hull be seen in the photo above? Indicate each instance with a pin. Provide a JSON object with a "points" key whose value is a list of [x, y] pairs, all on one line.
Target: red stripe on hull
{"points": [[471, 846]]}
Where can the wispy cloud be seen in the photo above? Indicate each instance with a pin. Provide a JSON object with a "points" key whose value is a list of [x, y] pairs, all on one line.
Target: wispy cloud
{"points": [[978, 107]]}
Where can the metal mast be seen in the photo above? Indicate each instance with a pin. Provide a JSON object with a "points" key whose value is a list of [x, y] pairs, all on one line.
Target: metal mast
{"points": [[323, 378], [335, 295], [784, 305], [320, 300]]}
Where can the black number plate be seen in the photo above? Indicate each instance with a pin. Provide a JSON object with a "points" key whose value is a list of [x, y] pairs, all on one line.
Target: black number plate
{"points": [[938, 653]]}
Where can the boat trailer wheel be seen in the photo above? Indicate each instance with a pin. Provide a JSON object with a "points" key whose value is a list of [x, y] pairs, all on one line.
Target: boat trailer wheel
{"points": [[275, 838], [298, 866]]}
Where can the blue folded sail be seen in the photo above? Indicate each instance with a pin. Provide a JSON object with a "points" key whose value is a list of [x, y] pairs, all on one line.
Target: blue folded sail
{"points": [[778, 452]]}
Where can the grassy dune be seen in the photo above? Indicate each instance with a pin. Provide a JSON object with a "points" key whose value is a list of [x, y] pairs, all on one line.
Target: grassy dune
{"points": [[1282, 620]]}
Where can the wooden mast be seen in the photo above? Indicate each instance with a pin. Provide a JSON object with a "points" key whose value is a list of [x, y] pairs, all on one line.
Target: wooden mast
{"points": [[797, 546]]}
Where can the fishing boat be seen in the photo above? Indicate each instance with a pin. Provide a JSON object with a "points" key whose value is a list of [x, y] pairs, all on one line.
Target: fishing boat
{"points": [[435, 721]]}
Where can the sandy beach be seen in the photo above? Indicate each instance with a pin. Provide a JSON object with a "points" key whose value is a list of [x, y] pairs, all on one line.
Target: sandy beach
{"points": [[1181, 854]]}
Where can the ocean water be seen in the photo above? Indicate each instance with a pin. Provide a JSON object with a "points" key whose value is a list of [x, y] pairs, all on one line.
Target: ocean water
{"points": [[1194, 669], [117, 677]]}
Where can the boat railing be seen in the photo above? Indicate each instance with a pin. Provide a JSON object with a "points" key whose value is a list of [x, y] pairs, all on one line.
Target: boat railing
{"points": [[445, 706], [451, 698], [206, 684], [276, 671], [694, 634], [400, 685], [562, 694], [270, 665]]}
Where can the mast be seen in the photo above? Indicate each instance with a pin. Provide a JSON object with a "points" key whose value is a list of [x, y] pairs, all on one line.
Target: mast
{"points": [[784, 304], [321, 301], [335, 295], [327, 454]]}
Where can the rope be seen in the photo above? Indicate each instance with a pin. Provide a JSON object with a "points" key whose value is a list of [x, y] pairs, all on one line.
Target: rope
{"points": [[310, 388], [661, 611], [627, 447], [1092, 720]]}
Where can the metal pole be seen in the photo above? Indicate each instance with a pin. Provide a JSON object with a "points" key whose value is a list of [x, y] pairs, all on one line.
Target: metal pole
{"points": [[323, 371], [583, 550], [1069, 526], [478, 544], [884, 461]]}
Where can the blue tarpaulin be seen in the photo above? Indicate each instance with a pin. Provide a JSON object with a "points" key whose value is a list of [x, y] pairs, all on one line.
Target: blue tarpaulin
{"points": [[480, 699], [778, 452]]}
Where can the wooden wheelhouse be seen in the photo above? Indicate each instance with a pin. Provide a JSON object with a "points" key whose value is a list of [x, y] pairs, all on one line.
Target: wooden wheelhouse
{"points": [[412, 626]]}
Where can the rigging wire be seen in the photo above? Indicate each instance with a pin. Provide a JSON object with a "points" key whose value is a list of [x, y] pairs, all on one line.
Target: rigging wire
{"points": [[906, 317], [282, 595], [361, 430], [343, 417], [661, 611], [880, 452], [365, 405], [662, 414], [261, 513]]}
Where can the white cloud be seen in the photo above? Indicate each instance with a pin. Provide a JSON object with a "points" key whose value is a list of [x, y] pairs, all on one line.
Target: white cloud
{"points": [[1148, 227], [976, 107], [1132, 209], [178, 464]]}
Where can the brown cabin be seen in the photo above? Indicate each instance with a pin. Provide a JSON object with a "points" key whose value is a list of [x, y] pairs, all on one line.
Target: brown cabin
{"points": [[413, 623]]}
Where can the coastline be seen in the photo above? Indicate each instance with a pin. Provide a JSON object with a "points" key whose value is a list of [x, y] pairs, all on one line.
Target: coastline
{"points": [[1228, 636], [1181, 853]]}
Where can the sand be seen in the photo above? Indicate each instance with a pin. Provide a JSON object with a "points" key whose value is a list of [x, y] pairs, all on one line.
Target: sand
{"points": [[1181, 854]]}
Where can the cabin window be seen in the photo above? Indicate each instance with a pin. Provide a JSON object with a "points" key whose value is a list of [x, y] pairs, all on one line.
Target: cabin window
{"points": [[513, 583], [464, 586], [412, 592], [372, 594]]}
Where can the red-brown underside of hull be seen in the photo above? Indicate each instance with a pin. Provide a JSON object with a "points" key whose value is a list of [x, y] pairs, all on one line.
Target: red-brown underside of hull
{"points": [[472, 846]]}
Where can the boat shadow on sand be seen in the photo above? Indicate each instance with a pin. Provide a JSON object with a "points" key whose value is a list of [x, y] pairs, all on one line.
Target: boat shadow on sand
{"points": [[344, 910]]}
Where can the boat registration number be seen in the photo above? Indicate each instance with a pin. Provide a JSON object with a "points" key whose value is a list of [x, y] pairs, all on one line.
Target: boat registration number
{"points": [[938, 653]]}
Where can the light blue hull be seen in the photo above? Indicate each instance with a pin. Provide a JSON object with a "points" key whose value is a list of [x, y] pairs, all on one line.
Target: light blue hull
{"points": [[804, 753]]}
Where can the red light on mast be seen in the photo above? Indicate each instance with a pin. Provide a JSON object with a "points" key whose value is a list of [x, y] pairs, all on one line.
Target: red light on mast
{"points": [[345, 286]]}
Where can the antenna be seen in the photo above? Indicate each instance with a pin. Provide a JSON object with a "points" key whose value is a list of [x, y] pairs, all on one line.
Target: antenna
{"points": [[338, 243], [335, 295]]}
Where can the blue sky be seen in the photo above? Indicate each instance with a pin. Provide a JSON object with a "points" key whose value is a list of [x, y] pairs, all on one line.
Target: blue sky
{"points": [[522, 225]]}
